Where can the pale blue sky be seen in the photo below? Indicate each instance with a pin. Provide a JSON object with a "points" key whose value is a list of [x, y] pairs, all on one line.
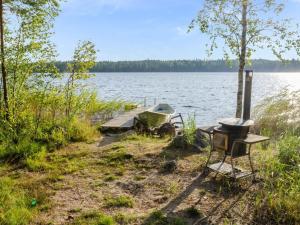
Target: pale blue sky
{"points": [[138, 29]]}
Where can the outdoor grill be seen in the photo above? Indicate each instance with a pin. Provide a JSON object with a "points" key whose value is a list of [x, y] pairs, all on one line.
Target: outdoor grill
{"points": [[232, 137], [232, 129]]}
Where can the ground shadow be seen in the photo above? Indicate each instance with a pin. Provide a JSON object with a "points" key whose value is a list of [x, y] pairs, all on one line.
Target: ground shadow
{"points": [[231, 193]]}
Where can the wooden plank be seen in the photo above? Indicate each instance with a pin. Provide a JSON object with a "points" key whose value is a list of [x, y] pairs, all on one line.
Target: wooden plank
{"points": [[125, 120]]}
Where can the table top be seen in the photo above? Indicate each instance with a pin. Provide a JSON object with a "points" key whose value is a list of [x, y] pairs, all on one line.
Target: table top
{"points": [[253, 139]]}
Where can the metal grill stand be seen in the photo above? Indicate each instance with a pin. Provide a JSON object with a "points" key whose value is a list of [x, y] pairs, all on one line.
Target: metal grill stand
{"points": [[232, 138], [228, 169]]}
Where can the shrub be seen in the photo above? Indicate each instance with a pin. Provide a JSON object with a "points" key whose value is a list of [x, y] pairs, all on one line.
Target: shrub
{"points": [[38, 162], [289, 151], [15, 152], [80, 131]]}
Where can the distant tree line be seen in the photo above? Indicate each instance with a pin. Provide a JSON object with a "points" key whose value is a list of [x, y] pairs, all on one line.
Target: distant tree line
{"points": [[259, 65]]}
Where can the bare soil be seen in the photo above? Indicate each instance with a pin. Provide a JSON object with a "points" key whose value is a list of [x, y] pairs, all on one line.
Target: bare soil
{"points": [[84, 175]]}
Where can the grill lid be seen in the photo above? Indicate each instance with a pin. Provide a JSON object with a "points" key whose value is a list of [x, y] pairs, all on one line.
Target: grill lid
{"points": [[236, 122]]}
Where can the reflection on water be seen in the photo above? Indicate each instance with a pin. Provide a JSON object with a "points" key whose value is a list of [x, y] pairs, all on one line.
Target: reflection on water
{"points": [[209, 95]]}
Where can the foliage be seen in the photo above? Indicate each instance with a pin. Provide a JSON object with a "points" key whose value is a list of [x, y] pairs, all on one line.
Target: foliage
{"points": [[37, 162], [222, 22], [78, 70], [258, 65], [189, 131], [13, 203], [277, 202], [241, 29], [279, 115]]}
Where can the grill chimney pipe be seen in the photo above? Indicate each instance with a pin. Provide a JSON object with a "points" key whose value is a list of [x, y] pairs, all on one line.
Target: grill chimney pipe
{"points": [[247, 95]]}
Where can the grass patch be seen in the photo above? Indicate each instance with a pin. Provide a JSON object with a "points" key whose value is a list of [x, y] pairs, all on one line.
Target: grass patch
{"points": [[38, 162], [124, 219], [158, 218], [15, 205], [94, 218], [110, 178], [120, 201]]}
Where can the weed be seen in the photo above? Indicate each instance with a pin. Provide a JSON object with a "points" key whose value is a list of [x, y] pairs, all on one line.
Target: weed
{"points": [[190, 130], [158, 218], [124, 219], [120, 201], [110, 178], [94, 218]]}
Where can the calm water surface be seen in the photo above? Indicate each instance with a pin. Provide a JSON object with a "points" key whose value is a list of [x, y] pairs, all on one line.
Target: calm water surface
{"points": [[207, 95]]}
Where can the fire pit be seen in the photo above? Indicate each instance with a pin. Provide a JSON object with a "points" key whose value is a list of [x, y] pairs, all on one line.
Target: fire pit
{"points": [[232, 137]]}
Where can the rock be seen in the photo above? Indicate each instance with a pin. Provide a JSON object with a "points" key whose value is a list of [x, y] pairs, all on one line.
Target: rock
{"points": [[201, 139], [170, 166]]}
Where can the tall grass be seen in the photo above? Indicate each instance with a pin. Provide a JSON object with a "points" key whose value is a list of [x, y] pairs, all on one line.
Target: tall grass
{"points": [[189, 131], [14, 205], [278, 201], [279, 115]]}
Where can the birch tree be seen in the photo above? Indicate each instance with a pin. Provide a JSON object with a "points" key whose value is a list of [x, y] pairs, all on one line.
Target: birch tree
{"points": [[26, 50], [242, 27]]}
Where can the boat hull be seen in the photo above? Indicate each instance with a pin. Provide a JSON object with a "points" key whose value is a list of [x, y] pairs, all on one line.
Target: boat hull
{"points": [[157, 115]]}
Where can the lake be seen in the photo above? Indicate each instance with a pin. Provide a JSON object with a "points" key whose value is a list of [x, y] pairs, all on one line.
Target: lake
{"points": [[209, 96]]}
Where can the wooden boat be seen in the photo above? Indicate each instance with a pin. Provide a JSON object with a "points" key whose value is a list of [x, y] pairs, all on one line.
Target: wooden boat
{"points": [[157, 115]]}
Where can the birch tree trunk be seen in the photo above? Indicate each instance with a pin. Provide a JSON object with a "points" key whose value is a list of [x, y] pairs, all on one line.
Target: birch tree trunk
{"points": [[3, 69], [242, 61]]}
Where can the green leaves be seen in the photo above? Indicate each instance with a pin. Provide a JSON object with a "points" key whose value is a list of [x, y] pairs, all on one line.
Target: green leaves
{"points": [[83, 60], [221, 21]]}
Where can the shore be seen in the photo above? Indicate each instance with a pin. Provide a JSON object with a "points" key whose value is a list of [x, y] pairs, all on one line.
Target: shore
{"points": [[123, 182]]}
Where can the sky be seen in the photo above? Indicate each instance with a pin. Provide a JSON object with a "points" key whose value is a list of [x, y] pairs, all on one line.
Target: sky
{"points": [[139, 29]]}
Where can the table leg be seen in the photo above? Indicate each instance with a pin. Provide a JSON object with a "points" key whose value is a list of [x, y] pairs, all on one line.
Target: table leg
{"points": [[250, 161]]}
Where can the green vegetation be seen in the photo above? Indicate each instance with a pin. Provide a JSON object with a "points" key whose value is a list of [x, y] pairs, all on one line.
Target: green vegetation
{"points": [[259, 65], [120, 201], [14, 204], [279, 200], [158, 218], [42, 109], [241, 30], [94, 218], [189, 131]]}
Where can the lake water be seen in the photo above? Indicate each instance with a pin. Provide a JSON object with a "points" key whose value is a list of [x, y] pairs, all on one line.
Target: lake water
{"points": [[209, 96]]}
